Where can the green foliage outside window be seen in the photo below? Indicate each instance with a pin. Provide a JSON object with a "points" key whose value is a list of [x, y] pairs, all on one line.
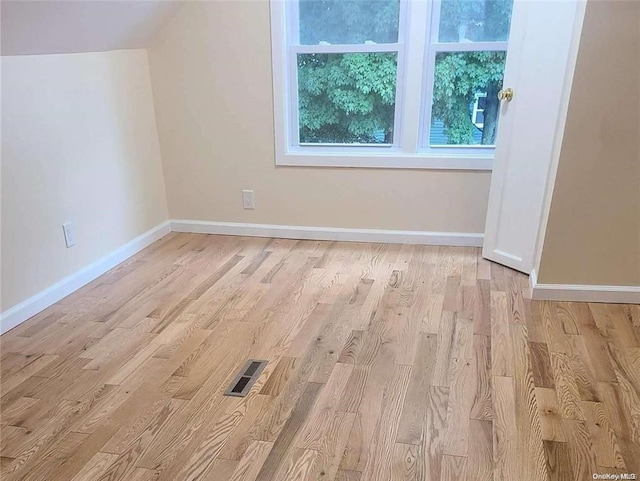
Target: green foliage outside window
{"points": [[345, 98], [459, 76]]}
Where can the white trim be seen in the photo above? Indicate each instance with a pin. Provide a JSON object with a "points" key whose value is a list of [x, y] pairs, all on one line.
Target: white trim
{"points": [[432, 47], [389, 160], [281, 82], [477, 109], [329, 233], [410, 148], [40, 301], [285, 41], [43, 299], [498, 46], [410, 115], [583, 293], [346, 48]]}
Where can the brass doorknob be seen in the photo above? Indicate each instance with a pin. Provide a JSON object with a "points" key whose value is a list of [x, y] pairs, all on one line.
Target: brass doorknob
{"points": [[506, 94]]}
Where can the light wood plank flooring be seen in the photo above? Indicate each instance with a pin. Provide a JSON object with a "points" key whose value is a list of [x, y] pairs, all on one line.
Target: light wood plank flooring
{"points": [[386, 362]]}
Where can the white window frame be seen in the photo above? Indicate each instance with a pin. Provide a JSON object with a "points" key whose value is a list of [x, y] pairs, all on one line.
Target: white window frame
{"points": [[413, 97], [477, 110], [435, 47]]}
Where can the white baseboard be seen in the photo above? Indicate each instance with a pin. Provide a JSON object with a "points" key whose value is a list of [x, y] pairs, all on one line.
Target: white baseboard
{"points": [[552, 292], [460, 239], [32, 306], [37, 303], [583, 293]]}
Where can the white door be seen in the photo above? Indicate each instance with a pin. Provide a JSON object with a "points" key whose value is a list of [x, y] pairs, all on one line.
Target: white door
{"points": [[539, 68]]}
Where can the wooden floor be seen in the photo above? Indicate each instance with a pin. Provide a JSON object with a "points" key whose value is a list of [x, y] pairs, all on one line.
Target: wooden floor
{"points": [[386, 362]]}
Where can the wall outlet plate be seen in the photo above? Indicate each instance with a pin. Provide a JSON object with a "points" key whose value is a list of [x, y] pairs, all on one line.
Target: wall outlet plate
{"points": [[248, 200], [69, 237]]}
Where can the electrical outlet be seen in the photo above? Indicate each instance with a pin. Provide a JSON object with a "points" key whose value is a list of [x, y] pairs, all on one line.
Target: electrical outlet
{"points": [[69, 238], [248, 200]]}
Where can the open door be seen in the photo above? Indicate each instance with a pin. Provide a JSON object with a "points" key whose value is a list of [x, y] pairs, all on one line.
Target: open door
{"points": [[538, 72]]}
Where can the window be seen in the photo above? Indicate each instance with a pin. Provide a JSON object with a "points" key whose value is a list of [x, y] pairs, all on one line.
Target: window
{"points": [[388, 83]]}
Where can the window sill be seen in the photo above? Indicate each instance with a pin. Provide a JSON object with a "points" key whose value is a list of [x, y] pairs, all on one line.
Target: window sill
{"points": [[422, 161]]}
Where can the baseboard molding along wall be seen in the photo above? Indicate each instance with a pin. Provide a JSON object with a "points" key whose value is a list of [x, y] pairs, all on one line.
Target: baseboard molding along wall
{"points": [[460, 239], [556, 292], [583, 293], [43, 299]]}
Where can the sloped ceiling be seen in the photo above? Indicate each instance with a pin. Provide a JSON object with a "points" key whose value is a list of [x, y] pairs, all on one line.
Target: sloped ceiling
{"points": [[70, 26]]}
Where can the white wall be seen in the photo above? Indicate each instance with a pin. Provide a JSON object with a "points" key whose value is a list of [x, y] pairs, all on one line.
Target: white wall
{"points": [[211, 73], [79, 144], [593, 230]]}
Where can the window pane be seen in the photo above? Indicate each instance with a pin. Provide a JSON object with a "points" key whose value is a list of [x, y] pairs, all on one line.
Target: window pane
{"points": [[347, 97], [475, 20], [459, 78], [348, 21]]}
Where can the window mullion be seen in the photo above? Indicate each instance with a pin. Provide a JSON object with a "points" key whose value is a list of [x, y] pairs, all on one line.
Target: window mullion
{"points": [[470, 47], [416, 40], [428, 73], [351, 48], [292, 70]]}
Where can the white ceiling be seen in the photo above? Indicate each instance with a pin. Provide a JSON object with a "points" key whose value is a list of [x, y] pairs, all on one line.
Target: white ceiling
{"points": [[70, 26]]}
